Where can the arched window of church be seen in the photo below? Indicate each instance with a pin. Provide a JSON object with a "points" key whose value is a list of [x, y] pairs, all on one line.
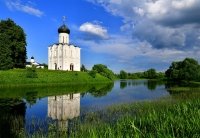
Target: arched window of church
{"points": [[63, 39]]}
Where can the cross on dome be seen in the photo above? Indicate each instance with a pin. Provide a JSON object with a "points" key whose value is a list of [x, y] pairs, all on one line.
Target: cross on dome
{"points": [[64, 17]]}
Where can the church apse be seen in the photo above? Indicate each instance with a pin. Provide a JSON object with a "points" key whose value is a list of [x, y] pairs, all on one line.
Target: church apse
{"points": [[64, 108]]}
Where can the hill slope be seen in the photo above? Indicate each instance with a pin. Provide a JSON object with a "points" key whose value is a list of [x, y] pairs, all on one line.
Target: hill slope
{"points": [[48, 77]]}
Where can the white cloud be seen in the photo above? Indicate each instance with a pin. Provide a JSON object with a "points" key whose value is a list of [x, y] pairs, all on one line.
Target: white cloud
{"points": [[138, 10], [142, 55], [125, 27], [93, 31], [161, 23], [24, 8], [182, 4]]}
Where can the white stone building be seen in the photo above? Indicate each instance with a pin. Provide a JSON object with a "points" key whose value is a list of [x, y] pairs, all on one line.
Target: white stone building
{"points": [[63, 55], [32, 62]]}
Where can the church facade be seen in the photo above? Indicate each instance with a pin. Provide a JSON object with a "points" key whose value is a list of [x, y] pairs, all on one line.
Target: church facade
{"points": [[63, 55]]}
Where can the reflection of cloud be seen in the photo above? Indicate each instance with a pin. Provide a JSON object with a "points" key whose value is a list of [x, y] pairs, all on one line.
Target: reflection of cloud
{"points": [[93, 31], [24, 8]]}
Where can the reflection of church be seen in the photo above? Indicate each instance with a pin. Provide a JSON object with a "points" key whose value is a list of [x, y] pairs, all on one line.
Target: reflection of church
{"points": [[63, 108], [63, 55]]}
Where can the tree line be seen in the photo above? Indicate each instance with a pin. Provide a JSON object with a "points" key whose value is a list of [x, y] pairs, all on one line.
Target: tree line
{"points": [[149, 74]]}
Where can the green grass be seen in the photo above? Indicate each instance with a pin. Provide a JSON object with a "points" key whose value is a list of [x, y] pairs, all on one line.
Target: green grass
{"points": [[17, 77]]}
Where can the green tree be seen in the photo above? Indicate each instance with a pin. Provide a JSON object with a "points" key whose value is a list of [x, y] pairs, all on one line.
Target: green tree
{"points": [[92, 73], [151, 73], [123, 74], [188, 69], [83, 68], [103, 70], [12, 45], [31, 72], [45, 65]]}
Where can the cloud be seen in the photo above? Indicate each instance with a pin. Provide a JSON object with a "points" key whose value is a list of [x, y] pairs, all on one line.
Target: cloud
{"points": [[93, 31], [24, 8], [125, 27], [173, 24], [159, 36], [140, 55]]}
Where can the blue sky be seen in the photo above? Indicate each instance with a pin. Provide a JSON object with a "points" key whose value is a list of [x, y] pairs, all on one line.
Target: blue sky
{"points": [[130, 35]]}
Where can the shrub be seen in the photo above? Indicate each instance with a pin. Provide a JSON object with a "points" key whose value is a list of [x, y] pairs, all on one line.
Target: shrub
{"points": [[92, 73], [31, 72]]}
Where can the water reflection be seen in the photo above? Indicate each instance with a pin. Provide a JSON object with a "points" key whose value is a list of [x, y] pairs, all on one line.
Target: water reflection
{"points": [[64, 108], [102, 91], [123, 84], [31, 98], [12, 117], [151, 84]]}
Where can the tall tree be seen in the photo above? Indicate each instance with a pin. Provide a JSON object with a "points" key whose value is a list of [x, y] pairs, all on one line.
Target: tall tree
{"points": [[103, 70], [151, 73], [188, 69], [12, 45], [123, 74], [83, 68]]}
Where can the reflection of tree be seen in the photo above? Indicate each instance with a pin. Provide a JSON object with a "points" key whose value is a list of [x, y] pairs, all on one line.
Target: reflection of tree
{"points": [[176, 84], [151, 84], [123, 84], [12, 114], [136, 83], [102, 91], [31, 97]]}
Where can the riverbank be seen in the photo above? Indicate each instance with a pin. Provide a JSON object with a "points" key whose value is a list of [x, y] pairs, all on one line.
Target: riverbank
{"points": [[18, 77]]}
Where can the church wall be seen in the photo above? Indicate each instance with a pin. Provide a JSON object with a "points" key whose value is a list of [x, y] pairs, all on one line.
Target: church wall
{"points": [[63, 56]]}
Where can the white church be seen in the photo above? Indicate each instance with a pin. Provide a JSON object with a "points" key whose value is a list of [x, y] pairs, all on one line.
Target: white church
{"points": [[63, 55]]}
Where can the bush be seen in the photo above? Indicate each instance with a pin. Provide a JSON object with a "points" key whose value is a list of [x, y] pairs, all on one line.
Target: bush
{"points": [[104, 71], [31, 72], [92, 73]]}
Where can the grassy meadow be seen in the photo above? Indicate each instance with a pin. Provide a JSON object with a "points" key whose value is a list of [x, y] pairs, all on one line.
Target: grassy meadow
{"points": [[18, 77]]}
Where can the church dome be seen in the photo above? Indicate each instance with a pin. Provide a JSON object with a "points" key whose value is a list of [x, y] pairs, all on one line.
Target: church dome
{"points": [[63, 29], [32, 57]]}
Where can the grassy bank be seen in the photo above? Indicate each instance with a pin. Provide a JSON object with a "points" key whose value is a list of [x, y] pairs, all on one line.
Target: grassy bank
{"points": [[17, 77]]}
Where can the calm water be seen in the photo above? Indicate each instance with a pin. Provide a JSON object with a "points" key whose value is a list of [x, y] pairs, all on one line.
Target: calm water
{"points": [[63, 103], [56, 102]]}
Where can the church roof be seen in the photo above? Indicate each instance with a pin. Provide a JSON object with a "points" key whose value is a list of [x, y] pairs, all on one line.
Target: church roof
{"points": [[63, 29]]}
